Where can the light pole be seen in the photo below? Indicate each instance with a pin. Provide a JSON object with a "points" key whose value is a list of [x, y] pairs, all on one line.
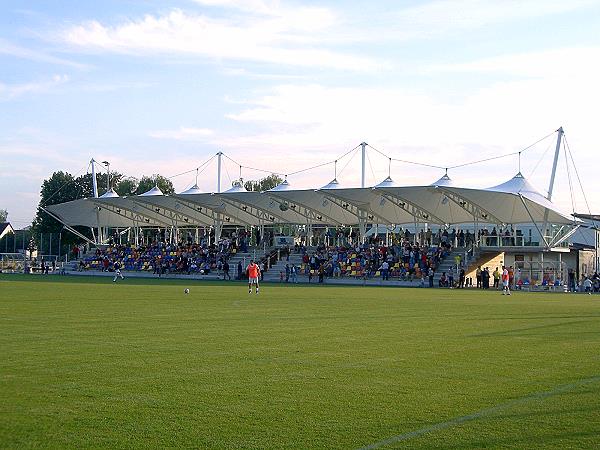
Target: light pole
{"points": [[107, 164]]}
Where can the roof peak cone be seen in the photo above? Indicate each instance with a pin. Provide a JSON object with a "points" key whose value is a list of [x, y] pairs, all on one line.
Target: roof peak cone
{"points": [[515, 185], [154, 191]]}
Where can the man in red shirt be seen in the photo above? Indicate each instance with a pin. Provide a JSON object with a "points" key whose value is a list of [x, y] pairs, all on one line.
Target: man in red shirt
{"points": [[253, 274], [505, 281]]}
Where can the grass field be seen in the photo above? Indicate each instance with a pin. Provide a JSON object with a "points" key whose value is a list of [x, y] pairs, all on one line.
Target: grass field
{"points": [[90, 363]]}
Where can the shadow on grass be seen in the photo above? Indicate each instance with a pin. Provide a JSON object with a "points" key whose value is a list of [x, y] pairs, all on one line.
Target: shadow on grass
{"points": [[518, 330], [555, 440]]}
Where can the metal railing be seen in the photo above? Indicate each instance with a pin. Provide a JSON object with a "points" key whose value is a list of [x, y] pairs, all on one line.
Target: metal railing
{"points": [[514, 241]]}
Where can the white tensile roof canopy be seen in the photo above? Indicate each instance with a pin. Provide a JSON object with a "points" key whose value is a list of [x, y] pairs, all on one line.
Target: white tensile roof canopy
{"points": [[443, 202]]}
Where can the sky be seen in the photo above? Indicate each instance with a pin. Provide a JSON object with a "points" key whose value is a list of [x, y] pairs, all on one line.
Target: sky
{"points": [[161, 87]]}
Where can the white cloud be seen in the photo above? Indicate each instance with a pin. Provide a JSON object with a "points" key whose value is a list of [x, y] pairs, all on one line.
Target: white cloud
{"points": [[570, 63], [8, 48], [254, 6], [183, 134], [294, 17], [11, 91], [287, 38], [449, 16], [502, 117]]}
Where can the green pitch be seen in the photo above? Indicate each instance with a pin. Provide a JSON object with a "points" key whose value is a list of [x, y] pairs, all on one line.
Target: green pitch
{"points": [[85, 362]]}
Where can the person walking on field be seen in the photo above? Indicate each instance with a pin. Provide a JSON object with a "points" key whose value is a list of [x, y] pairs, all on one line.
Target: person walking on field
{"points": [[226, 275], [118, 273], [505, 281], [253, 273]]}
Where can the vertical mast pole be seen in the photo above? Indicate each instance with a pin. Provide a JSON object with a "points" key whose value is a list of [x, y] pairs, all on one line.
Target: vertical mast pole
{"points": [[219, 155], [94, 181], [363, 167], [218, 223], [95, 189], [556, 152], [552, 177]]}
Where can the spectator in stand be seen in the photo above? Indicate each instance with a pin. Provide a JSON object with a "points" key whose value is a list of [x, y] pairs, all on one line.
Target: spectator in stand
{"points": [[443, 280]]}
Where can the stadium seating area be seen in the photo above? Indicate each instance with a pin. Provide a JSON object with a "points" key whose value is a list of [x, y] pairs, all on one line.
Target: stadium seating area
{"points": [[161, 258], [406, 261]]}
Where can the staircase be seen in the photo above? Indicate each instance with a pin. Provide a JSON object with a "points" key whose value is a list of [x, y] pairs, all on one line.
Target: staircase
{"points": [[468, 259], [245, 257], [446, 263], [272, 274]]}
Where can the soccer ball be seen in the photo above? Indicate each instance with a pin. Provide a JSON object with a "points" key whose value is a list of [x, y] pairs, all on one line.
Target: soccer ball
{"points": [[187, 291]]}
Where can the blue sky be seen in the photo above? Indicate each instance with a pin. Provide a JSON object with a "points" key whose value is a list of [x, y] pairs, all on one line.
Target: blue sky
{"points": [[159, 87]]}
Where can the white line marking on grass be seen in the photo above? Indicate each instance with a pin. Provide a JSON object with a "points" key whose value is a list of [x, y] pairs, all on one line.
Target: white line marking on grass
{"points": [[483, 413]]}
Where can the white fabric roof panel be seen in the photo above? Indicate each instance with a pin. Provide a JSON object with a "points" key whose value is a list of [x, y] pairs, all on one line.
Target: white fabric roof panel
{"points": [[370, 201], [126, 206], [325, 211], [208, 204], [262, 206], [513, 202], [174, 209], [429, 202], [82, 212]]}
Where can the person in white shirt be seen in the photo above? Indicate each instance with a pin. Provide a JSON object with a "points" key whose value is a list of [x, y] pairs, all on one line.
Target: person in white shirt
{"points": [[587, 285], [385, 271]]}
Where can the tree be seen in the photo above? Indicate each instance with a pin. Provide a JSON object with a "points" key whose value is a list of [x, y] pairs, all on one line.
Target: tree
{"points": [[264, 184], [85, 184], [147, 183], [127, 186], [3, 215], [59, 188], [62, 187]]}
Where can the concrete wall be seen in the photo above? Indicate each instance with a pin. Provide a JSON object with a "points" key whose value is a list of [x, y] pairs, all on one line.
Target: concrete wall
{"points": [[587, 259], [490, 260]]}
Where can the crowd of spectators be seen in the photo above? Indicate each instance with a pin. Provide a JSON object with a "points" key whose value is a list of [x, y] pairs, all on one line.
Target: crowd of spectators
{"points": [[161, 258], [404, 260]]}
